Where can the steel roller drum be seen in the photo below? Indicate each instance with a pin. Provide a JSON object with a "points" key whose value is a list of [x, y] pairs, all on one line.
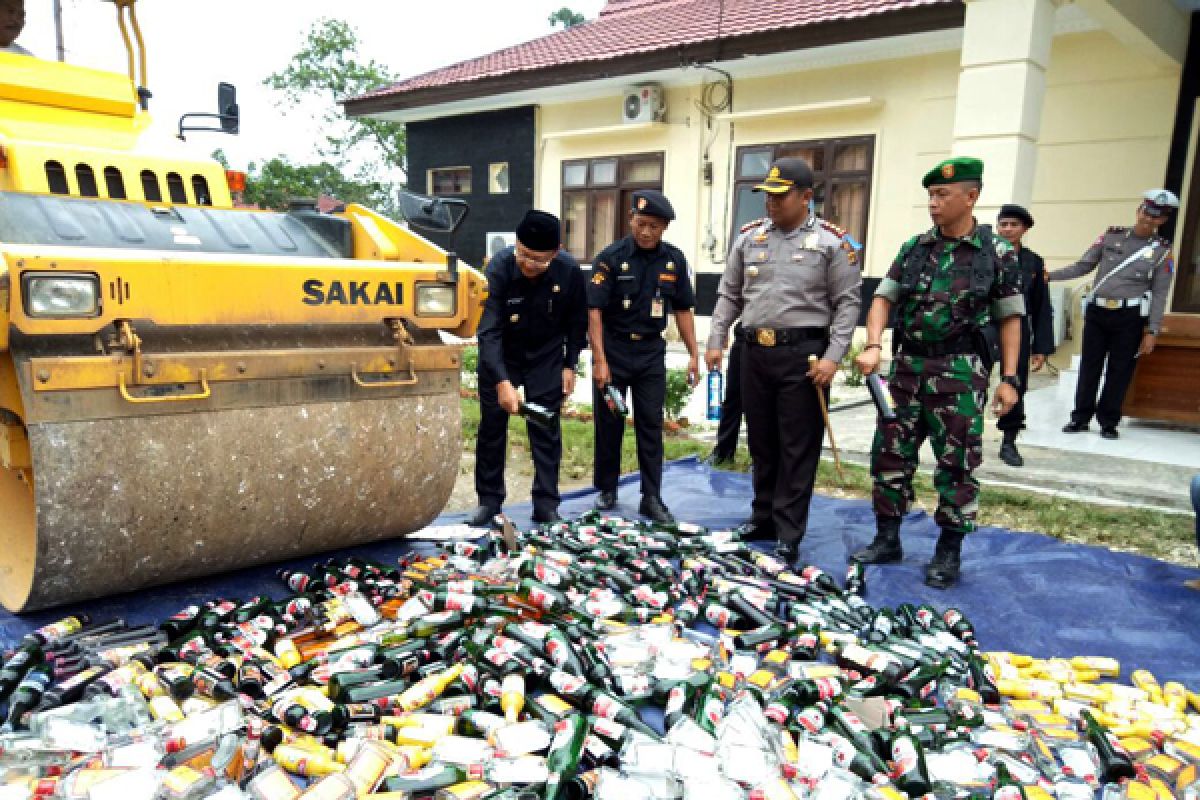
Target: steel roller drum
{"points": [[128, 502]]}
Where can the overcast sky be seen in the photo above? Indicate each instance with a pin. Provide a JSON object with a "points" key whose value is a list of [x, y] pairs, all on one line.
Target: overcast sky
{"points": [[193, 44]]}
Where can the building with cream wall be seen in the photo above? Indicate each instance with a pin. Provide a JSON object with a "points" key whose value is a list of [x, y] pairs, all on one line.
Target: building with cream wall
{"points": [[1074, 107]]}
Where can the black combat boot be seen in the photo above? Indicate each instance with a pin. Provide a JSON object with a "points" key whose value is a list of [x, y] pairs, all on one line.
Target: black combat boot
{"points": [[885, 548], [1008, 450], [942, 571]]}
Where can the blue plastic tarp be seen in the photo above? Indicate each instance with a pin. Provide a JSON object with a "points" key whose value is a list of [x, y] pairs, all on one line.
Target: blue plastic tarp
{"points": [[1024, 592]]}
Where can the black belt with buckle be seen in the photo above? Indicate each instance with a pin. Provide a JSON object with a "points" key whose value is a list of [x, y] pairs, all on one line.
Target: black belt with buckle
{"points": [[639, 337], [779, 337]]}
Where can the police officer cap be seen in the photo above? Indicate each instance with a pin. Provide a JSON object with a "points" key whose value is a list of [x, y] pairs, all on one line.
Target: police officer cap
{"points": [[954, 170], [652, 203], [539, 231], [786, 174], [1159, 202], [1014, 211]]}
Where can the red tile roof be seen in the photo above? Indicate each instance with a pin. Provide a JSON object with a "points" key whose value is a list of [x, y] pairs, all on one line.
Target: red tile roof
{"points": [[632, 27]]}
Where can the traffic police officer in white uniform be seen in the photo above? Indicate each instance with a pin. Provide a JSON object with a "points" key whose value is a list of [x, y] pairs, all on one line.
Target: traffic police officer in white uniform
{"points": [[1123, 312]]}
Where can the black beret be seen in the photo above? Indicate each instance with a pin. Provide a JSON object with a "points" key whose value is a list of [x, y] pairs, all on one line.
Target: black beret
{"points": [[1014, 211], [539, 231], [652, 203]]}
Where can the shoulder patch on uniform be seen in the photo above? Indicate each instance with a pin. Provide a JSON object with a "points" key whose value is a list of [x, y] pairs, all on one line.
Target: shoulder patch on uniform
{"points": [[834, 229], [752, 224], [1169, 264], [851, 253]]}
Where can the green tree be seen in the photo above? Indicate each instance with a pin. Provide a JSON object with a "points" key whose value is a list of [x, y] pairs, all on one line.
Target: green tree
{"points": [[277, 181], [327, 69], [567, 18]]}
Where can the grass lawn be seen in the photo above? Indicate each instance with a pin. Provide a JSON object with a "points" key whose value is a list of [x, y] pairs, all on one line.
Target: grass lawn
{"points": [[1170, 537]]}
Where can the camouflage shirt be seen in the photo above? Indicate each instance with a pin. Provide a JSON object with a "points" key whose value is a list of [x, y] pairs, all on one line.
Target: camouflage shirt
{"points": [[942, 308]]}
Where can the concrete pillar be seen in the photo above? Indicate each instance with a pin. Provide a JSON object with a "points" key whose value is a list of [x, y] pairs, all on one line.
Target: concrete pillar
{"points": [[1005, 53]]}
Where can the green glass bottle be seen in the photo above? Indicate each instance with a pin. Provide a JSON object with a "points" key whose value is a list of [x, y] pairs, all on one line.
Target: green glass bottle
{"points": [[563, 756]]}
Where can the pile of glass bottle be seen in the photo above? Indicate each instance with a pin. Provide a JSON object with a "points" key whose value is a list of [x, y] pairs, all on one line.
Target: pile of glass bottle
{"points": [[600, 658]]}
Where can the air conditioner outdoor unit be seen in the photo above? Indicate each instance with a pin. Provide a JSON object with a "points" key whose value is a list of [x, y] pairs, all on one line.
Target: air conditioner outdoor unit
{"points": [[643, 104], [495, 242]]}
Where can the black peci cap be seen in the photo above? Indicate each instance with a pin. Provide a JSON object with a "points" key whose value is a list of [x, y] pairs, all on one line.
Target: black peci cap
{"points": [[539, 231]]}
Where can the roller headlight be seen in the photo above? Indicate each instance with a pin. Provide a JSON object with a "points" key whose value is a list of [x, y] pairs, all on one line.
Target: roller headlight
{"points": [[62, 295], [436, 300]]}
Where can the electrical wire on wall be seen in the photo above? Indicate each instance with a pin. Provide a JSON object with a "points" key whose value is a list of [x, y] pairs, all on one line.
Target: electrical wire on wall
{"points": [[716, 97]]}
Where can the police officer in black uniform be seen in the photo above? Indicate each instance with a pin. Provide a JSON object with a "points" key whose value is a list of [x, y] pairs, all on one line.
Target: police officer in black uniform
{"points": [[1037, 329], [729, 429], [636, 282], [534, 326]]}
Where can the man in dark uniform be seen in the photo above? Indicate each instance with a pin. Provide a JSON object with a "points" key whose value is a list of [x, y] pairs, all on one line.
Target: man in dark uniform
{"points": [[1123, 311], [533, 327], [793, 280], [1037, 334], [730, 426], [636, 282], [946, 285]]}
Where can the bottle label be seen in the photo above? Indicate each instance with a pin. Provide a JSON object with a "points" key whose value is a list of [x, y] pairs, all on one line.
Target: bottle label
{"points": [[605, 706], [547, 575], [904, 756], [675, 700]]}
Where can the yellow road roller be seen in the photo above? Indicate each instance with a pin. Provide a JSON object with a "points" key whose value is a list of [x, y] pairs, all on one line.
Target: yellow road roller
{"points": [[188, 387]]}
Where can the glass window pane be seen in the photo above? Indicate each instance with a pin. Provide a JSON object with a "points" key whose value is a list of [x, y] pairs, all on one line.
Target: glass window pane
{"points": [[604, 173], [748, 206], [754, 163], [575, 174], [451, 180], [604, 220], [575, 223], [850, 157], [813, 154], [498, 177], [643, 171], [847, 207]]}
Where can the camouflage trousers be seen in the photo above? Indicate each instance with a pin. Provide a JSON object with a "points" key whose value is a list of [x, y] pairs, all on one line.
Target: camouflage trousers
{"points": [[953, 423]]}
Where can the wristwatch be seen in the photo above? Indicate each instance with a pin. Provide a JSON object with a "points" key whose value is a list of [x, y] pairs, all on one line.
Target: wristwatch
{"points": [[1012, 380]]}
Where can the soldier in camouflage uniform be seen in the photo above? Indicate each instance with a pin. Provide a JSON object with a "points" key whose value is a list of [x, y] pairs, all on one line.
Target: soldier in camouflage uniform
{"points": [[946, 285]]}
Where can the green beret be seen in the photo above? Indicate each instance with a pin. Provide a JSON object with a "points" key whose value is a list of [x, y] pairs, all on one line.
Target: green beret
{"points": [[954, 170]]}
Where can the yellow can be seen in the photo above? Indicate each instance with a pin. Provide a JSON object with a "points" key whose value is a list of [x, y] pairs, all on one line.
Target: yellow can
{"points": [[1107, 667]]}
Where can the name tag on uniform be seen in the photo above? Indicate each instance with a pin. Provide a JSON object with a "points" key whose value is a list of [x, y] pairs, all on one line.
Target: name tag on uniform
{"points": [[657, 308]]}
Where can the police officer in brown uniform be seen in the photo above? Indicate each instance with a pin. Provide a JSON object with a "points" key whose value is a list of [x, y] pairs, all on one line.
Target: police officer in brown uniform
{"points": [[1123, 312], [794, 282]]}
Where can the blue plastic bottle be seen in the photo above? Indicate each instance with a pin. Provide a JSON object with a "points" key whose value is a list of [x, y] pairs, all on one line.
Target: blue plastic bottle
{"points": [[716, 388]]}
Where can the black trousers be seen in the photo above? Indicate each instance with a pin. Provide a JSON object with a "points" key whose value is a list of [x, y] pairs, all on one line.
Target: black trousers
{"points": [[1110, 344], [785, 427], [543, 385], [731, 405], [1014, 420], [639, 367]]}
